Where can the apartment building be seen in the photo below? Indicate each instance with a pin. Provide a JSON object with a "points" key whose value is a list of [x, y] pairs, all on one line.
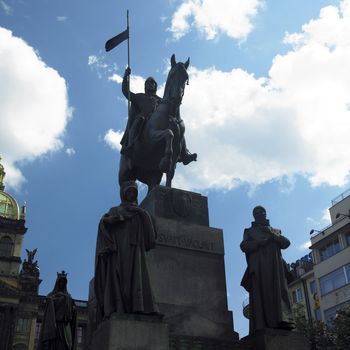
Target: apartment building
{"points": [[322, 280]]}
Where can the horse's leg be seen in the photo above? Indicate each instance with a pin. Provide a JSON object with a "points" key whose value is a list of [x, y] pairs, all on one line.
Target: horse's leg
{"points": [[165, 162], [126, 172], [168, 180], [153, 179], [151, 184], [170, 175]]}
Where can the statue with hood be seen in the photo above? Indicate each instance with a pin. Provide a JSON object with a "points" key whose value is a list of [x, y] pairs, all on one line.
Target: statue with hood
{"points": [[122, 284], [58, 330], [266, 275]]}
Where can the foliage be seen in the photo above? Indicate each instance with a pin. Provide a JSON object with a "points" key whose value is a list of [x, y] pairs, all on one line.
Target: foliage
{"points": [[341, 329], [316, 332], [335, 336]]}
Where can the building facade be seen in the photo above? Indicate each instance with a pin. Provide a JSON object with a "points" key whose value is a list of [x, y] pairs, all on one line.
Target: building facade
{"points": [[323, 287], [21, 306]]}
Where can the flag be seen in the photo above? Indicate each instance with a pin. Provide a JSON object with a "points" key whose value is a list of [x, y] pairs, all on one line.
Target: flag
{"points": [[118, 39]]}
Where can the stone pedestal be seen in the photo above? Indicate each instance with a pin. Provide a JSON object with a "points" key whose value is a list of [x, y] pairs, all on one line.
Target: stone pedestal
{"points": [[187, 273], [275, 339], [131, 332], [187, 268]]}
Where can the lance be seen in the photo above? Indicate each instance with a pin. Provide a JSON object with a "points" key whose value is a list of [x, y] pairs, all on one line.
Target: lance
{"points": [[115, 41], [127, 26]]}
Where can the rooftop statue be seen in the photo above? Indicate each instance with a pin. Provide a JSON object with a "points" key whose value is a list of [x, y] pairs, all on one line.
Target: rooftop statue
{"points": [[59, 322], [125, 234], [29, 265], [154, 139], [266, 275]]}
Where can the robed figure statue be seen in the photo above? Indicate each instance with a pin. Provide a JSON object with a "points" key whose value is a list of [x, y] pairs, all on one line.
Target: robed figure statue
{"points": [[125, 234], [58, 330], [266, 275]]}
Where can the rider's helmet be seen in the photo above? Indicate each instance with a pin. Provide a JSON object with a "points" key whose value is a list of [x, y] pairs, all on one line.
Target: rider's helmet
{"points": [[150, 86]]}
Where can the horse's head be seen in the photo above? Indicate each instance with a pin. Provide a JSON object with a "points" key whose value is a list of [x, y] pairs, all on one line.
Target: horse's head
{"points": [[177, 78]]}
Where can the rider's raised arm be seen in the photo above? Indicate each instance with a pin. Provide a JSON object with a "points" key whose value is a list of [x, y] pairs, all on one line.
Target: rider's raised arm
{"points": [[125, 87]]}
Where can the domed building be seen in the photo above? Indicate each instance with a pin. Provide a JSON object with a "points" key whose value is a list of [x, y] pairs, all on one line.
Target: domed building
{"points": [[12, 230], [19, 299], [21, 306]]}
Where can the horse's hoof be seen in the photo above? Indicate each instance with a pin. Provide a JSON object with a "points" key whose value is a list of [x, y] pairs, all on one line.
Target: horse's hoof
{"points": [[190, 158], [165, 164]]}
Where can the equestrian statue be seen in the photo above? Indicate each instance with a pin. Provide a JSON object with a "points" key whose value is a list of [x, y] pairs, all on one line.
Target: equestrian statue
{"points": [[154, 138]]}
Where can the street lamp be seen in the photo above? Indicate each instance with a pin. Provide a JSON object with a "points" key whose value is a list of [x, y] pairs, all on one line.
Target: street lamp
{"points": [[313, 231], [343, 215]]}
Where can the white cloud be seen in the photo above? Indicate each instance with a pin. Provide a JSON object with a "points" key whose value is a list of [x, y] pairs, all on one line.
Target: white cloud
{"points": [[113, 139], [305, 246], [324, 220], [295, 121], [326, 217], [116, 78], [212, 17], [101, 67], [70, 151], [61, 18], [92, 59], [7, 9], [34, 106], [137, 82]]}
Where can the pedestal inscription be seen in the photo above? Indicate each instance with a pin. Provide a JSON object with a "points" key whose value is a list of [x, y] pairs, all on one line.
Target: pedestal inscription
{"points": [[187, 266]]}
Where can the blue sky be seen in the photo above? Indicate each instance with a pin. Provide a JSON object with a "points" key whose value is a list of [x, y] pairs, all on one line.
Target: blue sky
{"points": [[267, 111]]}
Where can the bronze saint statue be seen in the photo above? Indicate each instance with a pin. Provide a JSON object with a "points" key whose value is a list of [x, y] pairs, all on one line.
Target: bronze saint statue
{"points": [[154, 139], [58, 330], [266, 275], [125, 234], [142, 105]]}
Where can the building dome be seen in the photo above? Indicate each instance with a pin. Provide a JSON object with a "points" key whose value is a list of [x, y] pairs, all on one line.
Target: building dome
{"points": [[8, 205]]}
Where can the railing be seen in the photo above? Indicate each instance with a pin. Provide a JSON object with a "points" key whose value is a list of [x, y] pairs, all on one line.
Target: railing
{"points": [[317, 232], [341, 197]]}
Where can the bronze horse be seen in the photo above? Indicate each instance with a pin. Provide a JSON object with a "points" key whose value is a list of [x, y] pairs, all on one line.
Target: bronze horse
{"points": [[158, 148]]}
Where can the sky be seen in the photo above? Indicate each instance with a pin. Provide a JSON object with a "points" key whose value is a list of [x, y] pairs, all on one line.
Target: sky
{"points": [[267, 109]]}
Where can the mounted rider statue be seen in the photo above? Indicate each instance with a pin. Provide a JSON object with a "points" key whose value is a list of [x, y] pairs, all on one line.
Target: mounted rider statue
{"points": [[154, 141]]}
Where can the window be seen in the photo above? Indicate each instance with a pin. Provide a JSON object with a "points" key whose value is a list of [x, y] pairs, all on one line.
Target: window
{"points": [[329, 250], [23, 325], [347, 237], [335, 279], [37, 330], [347, 273], [79, 335], [313, 287], [317, 314], [297, 295], [6, 246], [330, 313]]}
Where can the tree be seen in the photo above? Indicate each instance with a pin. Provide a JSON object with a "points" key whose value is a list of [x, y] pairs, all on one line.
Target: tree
{"points": [[340, 329], [332, 336]]}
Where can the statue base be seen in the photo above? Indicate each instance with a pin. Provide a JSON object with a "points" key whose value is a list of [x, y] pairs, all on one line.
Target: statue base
{"points": [[131, 332], [187, 267], [275, 339]]}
